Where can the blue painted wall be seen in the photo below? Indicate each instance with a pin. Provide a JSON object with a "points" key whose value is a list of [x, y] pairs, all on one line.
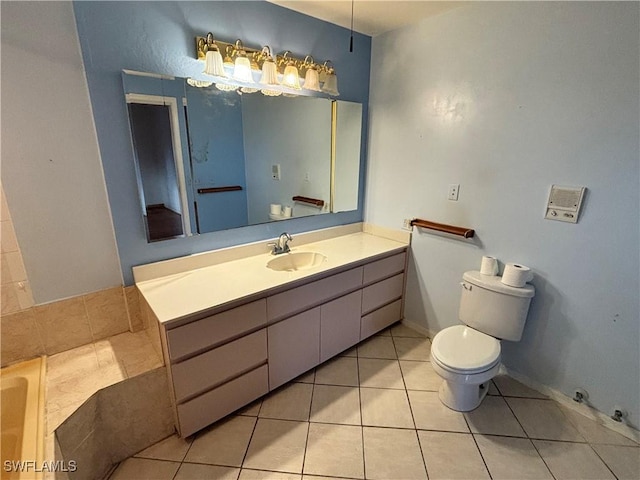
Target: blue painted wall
{"points": [[158, 37]]}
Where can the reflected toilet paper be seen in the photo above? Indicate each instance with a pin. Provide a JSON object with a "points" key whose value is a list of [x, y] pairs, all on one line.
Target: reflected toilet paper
{"points": [[489, 266], [276, 209], [516, 275]]}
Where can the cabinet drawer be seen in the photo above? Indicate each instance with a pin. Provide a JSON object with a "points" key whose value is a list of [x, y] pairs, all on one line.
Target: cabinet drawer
{"points": [[380, 319], [211, 406], [210, 331], [340, 324], [218, 365], [307, 296], [384, 268], [378, 294], [294, 346]]}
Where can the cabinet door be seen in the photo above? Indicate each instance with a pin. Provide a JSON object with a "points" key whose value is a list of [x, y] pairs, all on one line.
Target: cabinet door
{"points": [[340, 324], [294, 346]]}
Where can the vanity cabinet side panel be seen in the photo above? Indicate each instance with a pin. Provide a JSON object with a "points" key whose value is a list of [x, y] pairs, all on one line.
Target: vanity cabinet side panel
{"points": [[306, 296], [340, 325], [376, 295], [210, 331], [386, 267], [294, 347]]}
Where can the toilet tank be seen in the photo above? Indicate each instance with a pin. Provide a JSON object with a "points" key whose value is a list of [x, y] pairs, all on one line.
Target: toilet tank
{"points": [[488, 305]]}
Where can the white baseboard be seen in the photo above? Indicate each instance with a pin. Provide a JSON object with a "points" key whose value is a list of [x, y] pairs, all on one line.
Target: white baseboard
{"points": [[582, 408]]}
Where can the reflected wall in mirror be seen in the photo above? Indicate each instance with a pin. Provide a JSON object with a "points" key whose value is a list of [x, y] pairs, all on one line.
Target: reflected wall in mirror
{"points": [[208, 160]]}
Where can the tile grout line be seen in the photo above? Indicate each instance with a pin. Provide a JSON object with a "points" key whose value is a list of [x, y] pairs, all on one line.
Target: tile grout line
{"points": [[364, 458]]}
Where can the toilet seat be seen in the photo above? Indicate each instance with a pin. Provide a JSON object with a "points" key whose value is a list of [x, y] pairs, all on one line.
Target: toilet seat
{"points": [[461, 349]]}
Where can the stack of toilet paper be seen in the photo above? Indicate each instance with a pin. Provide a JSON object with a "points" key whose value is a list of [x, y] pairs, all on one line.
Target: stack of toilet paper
{"points": [[514, 275]]}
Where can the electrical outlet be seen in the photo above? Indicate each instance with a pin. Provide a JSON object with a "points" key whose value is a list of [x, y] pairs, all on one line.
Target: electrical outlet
{"points": [[454, 189], [406, 224]]}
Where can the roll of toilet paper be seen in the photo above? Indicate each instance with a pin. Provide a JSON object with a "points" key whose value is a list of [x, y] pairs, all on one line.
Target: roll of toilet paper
{"points": [[287, 211], [489, 266], [276, 209], [516, 275]]}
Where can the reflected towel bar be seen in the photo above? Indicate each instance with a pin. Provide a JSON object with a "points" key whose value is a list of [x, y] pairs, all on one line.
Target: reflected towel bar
{"points": [[311, 201], [441, 227], [232, 188]]}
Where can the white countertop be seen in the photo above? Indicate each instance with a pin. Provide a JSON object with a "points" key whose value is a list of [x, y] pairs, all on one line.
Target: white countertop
{"points": [[183, 294]]}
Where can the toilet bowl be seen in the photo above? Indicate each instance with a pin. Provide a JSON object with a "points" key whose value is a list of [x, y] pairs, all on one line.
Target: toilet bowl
{"points": [[467, 356], [466, 360]]}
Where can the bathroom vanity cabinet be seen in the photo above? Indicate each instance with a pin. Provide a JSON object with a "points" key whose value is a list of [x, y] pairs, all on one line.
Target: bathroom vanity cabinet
{"points": [[222, 359]]}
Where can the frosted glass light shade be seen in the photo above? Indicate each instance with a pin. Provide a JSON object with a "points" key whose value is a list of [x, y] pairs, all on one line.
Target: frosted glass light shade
{"points": [[291, 78], [213, 63], [242, 70], [226, 88], [331, 85], [269, 73], [312, 80]]}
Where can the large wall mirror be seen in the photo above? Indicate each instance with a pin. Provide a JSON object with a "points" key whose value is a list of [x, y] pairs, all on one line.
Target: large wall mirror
{"points": [[209, 160]]}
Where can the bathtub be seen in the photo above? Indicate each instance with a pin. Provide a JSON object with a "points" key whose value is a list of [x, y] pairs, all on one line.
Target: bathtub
{"points": [[22, 420]]}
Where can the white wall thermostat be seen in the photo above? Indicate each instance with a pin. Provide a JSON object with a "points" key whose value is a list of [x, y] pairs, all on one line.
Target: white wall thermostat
{"points": [[564, 203]]}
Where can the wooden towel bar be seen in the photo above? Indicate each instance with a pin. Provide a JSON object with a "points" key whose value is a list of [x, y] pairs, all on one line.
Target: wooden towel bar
{"points": [[311, 201], [231, 188], [441, 227]]}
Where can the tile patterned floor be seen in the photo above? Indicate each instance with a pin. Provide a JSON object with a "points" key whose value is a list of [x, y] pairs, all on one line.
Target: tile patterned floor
{"points": [[374, 413]]}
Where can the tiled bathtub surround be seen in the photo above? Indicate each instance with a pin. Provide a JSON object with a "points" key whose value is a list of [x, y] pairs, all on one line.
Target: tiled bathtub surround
{"points": [[59, 326], [374, 413], [15, 289]]}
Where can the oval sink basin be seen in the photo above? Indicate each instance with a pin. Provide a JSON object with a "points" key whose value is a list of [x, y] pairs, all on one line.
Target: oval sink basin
{"points": [[291, 262]]}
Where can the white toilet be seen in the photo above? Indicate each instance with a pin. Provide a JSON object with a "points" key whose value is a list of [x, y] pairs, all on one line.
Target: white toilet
{"points": [[468, 356]]}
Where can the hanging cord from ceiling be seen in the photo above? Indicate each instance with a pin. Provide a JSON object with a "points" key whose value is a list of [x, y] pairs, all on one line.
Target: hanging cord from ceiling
{"points": [[351, 38]]}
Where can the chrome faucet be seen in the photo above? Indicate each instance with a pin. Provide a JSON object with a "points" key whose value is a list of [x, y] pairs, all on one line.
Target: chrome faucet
{"points": [[282, 245]]}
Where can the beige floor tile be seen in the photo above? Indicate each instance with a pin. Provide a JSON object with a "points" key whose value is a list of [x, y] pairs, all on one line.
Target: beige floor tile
{"points": [[572, 460], [593, 432], [378, 346], [430, 414], [512, 458], [494, 417], [224, 443], [624, 462], [334, 450], [291, 402], [493, 390], [195, 471], [512, 388], [172, 448], [451, 456], [352, 352], [77, 362], [543, 419], [277, 445], [335, 404], [401, 330], [412, 348], [384, 333], [251, 410], [338, 371], [379, 373], [145, 469], [385, 408], [308, 377], [392, 453], [248, 474], [420, 376]]}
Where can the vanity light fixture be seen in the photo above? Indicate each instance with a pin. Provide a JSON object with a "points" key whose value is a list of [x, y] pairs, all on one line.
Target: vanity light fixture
{"points": [[290, 77], [330, 84], [311, 78], [213, 59], [239, 63]]}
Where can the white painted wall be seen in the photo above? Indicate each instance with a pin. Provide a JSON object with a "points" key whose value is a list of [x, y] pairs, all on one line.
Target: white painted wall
{"points": [[51, 169], [505, 99]]}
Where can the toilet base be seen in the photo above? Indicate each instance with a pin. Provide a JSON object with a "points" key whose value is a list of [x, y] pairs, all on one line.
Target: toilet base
{"points": [[462, 397]]}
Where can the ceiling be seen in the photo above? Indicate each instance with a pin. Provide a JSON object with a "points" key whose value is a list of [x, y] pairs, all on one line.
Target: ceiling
{"points": [[371, 17]]}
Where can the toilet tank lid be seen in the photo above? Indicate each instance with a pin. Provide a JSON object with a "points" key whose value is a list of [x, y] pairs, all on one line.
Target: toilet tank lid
{"points": [[494, 284]]}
